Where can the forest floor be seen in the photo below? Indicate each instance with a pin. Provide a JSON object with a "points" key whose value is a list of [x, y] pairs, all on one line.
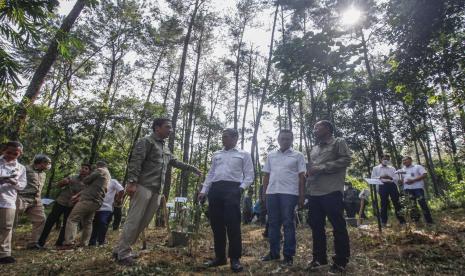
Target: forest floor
{"points": [[411, 250]]}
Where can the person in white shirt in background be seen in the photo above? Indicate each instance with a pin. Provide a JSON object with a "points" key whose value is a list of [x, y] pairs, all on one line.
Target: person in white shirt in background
{"points": [[12, 179], [387, 174], [414, 186], [102, 217], [230, 173]]}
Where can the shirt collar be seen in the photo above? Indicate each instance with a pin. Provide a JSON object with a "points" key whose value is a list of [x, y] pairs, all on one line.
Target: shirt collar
{"points": [[329, 141], [233, 149], [289, 150], [158, 138], [11, 163]]}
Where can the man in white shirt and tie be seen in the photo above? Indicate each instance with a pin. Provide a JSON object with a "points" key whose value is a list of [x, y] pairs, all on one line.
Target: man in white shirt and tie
{"points": [[387, 175], [230, 173]]}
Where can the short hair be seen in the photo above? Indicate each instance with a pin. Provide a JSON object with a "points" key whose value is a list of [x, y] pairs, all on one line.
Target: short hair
{"points": [[327, 124], [158, 122], [14, 144], [41, 158], [385, 155], [101, 164], [232, 131], [284, 131], [89, 166], [407, 157]]}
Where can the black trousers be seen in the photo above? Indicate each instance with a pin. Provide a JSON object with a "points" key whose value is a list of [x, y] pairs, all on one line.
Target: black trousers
{"points": [[225, 218], [52, 218], [351, 208], [117, 214], [386, 191], [331, 206]]}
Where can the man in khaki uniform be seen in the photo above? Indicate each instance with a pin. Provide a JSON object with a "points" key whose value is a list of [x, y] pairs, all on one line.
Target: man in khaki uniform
{"points": [[63, 205], [146, 170], [29, 199], [89, 201]]}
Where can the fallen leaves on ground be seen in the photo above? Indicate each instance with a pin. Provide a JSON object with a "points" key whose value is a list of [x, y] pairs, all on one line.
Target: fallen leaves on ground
{"points": [[411, 250]]}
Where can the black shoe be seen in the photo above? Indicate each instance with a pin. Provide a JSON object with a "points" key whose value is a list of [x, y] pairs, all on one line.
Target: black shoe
{"points": [[34, 246], [7, 260], [268, 257], [316, 265], [236, 266], [129, 261], [288, 261], [216, 262], [336, 269]]}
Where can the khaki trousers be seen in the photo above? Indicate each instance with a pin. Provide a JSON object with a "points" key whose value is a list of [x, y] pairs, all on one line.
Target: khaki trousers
{"points": [[35, 213], [7, 219], [144, 203], [83, 212]]}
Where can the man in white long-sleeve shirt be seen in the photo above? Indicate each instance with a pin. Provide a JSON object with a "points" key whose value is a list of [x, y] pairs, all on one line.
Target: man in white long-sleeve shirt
{"points": [[12, 179], [387, 175], [231, 172]]}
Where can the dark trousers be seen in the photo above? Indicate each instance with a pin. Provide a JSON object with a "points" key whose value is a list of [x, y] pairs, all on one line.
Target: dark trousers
{"points": [[117, 214], [418, 195], [52, 218], [100, 227], [225, 217], [281, 210], [331, 206], [386, 191], [351, 208]]}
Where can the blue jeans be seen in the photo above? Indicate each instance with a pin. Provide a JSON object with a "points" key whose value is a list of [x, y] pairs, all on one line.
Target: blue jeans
{"points": [[100, 227], [281, 210]]}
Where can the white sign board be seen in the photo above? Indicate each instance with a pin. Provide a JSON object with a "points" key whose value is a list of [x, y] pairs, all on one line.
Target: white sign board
{"points": [[180, 199], [373, 181], [47, 201], [170, 204]]}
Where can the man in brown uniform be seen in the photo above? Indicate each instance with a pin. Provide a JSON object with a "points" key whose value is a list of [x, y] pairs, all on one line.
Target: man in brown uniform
{"points": [[89, 200], [63, 205], [29, 199], [330, 158], [146, 169]]}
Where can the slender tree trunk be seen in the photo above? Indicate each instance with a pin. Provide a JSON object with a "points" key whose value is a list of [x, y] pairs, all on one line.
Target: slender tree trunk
{"points": [[179, 88], [249, 85], [453, 146], [33, 90], [236, 77], [265, 87], [376, 132], [187, 135]]}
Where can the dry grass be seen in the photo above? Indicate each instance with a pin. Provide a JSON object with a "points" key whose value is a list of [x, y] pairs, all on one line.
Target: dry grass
{"points": [[438, 250]]}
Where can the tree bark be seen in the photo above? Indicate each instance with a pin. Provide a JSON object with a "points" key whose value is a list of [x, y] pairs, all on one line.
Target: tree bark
{"points": [[179, 88], [265, 88], [33, 90], [187, 134]]}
